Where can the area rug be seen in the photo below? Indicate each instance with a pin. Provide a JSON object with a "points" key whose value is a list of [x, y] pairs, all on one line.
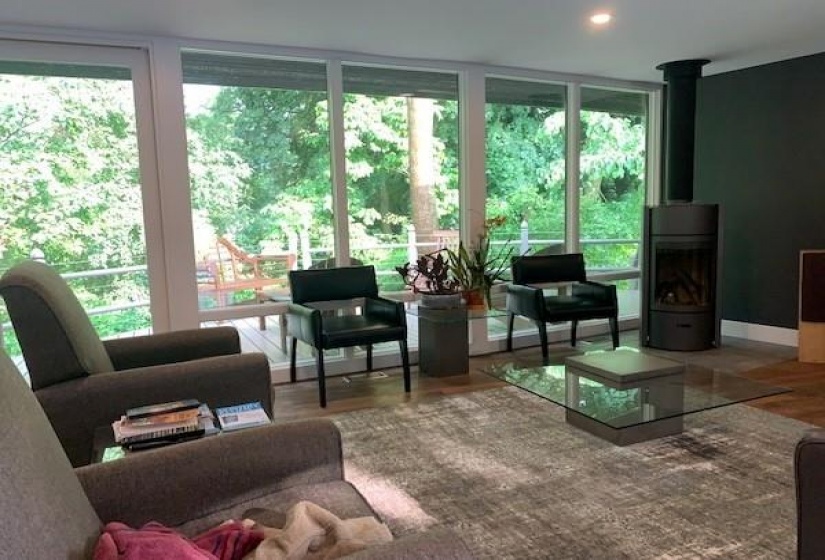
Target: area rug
{"points": [[503, 469]]}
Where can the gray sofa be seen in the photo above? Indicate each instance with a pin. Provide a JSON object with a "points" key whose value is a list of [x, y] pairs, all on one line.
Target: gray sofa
{"points": [[54, 512], [809, 469]]}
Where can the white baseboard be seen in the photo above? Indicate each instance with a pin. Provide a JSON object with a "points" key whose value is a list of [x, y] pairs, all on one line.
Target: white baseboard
{"points": [[761, 333]]}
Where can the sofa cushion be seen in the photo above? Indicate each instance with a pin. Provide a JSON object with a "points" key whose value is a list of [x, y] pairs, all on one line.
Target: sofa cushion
{"points": [[339, 497]]}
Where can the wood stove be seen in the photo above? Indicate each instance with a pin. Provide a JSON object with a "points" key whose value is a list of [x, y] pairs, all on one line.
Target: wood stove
{"points": [[680, 265], [679, 307]]}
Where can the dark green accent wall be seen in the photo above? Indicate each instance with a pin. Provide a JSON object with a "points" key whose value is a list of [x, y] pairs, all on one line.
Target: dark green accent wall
{"points": [[760, 154]]}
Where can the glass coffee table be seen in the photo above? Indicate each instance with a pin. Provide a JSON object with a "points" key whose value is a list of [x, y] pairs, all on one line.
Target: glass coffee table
{"points": [[626, 396]]}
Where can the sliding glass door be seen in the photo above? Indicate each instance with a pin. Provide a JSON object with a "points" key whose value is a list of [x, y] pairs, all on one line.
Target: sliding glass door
{"points": [[401, 135], [259, 165], [612, 188], [74, 176]]}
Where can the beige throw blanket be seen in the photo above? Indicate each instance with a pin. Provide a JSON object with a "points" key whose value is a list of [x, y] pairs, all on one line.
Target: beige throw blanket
{"points": [[313, 533]]}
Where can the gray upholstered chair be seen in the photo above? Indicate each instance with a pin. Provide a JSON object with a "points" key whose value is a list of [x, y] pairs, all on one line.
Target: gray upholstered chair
{"points": [[84, 382], [52, 512], [809, 469]]}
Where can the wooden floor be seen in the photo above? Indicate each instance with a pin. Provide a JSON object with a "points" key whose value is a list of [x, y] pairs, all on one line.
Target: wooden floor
{"points": [[775, 365], [806, 401]]}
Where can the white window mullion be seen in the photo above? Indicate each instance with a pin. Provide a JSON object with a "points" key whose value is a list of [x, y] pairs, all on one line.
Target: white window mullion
{"points": [[338, 159], [572, 167], [150, 183], [175, 210], [473, 180], [473, 189], [653, 165]]}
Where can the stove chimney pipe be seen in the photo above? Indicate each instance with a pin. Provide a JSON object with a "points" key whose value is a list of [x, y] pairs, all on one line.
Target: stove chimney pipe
{"points": [[680, 124]]}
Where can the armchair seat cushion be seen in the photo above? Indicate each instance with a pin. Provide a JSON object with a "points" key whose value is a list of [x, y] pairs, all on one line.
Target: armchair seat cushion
{"points": [[567, 307], [353, 330]]}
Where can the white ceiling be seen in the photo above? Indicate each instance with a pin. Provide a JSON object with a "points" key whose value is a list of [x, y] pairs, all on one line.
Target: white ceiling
{"points": [[541, 34]]}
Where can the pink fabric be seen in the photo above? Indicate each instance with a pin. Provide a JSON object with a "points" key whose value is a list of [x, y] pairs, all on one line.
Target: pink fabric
{"points": [[230, 541], [153, 541]]}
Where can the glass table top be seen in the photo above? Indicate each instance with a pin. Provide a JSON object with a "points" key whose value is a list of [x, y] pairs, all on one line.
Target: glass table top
{"points": [[622, 405], [455, 313]]}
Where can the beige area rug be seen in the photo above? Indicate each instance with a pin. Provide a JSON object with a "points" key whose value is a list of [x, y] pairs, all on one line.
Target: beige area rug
{"points": [[503, 469]]}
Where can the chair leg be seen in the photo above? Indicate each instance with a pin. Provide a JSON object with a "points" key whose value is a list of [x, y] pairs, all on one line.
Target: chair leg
{"points": [[292, 359], [573, 327], [405, 361], [322, 380], [543, 338], [511, 317], [369, 357], [614, 331]]}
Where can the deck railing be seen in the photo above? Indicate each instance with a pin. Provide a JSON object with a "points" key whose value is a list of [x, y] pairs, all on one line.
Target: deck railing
{"points": [[412, 246]]}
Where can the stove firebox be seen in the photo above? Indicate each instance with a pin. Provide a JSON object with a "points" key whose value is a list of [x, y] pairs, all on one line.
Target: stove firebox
{"points": [[679, 307]]}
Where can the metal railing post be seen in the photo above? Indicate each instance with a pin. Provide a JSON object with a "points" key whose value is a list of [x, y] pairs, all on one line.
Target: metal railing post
{"points": [[306, 254], [292, 245], [525, 237], [412, 246]]}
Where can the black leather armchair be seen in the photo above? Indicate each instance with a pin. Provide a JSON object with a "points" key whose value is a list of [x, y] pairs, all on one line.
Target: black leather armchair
{"points": [[587, 300], [381, 320]]}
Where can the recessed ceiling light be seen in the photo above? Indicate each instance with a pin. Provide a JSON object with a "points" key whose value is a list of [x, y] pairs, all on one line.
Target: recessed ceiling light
{"points": [[601, 18]]}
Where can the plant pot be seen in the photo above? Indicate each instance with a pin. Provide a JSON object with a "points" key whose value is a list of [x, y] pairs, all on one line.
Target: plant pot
{"points": [[440, 301], [475, 299]]}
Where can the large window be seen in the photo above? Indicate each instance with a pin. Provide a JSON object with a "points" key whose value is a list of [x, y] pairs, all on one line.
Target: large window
{"points": [[71, 191], [259, 160], [525, 162], [612, 186], [401, 136], [260, 133]]}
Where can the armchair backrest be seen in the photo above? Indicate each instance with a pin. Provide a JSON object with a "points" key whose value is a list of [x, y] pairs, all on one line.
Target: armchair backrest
{"points": [[56, 336], [538, 269], [330, 284], [45, 513]]}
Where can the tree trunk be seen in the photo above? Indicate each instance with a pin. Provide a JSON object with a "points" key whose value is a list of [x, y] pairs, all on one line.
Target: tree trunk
{"points": [[420, 116]]}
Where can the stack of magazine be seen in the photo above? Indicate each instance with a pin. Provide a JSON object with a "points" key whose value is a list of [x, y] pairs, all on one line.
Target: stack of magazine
{"points": [[247, 415], [160, 424]]}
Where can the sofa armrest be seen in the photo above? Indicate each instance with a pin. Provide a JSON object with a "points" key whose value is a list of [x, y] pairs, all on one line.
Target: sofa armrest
{"points": [[77, 408], [171, 347], [189, 480], [525, 300], [809, 471], [440, 543]]}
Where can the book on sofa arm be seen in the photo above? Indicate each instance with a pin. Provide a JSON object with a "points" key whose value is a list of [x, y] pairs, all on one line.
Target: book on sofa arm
{"points": [[240, 416], [151, 410], [164, 427]]}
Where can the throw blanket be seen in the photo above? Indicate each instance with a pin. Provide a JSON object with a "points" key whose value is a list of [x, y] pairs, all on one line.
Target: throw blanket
{"points": [[313, 533], [310, 533], [153, 541]]}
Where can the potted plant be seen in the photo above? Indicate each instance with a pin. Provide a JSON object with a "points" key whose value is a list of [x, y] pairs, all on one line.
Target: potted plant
{"points": [[430, 276], [477, 267]]}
